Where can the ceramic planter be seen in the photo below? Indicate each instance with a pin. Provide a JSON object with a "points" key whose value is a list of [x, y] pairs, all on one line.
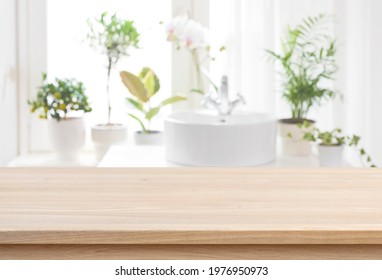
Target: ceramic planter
{"points": [[105, 136], [295, 145], [330, 156], [67, 137], [154, 138]]}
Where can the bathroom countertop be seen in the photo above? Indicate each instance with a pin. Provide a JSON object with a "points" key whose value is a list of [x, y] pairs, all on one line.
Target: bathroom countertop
{"points": [[131, 156], [185, 207], [154, 156]]}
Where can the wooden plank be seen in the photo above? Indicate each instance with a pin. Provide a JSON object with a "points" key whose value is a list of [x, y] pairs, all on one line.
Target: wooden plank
{"points": [[190, 237], [190, 252], [190, 206]]}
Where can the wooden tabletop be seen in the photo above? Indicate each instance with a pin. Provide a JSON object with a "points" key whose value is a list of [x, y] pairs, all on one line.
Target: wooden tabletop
{"points": [[190, 206]]}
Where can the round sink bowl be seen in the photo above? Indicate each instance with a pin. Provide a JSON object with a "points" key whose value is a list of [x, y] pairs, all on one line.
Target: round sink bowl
{"points": [[196, 139]]}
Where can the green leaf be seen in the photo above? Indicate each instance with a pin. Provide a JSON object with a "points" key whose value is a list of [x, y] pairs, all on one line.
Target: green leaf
{"points": [[172, 100], [152, 113], [136, 104], [197, 91], [150, 80], [139, 121], [135, 86]]}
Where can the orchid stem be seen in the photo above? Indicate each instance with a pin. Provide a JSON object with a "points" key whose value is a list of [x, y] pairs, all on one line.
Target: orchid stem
{"points": [[199, 77]]}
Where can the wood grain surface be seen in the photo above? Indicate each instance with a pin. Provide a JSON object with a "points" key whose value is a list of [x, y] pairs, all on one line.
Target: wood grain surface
{"points": [[190, 252], [191, 206]]}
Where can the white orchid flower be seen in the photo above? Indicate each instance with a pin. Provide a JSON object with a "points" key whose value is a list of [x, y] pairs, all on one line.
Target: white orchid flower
{"points": [[195, 36], [192, 36], [176, 27]]}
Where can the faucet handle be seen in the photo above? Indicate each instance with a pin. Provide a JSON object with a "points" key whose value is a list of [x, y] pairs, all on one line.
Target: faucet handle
{"points": [[208, 98]]}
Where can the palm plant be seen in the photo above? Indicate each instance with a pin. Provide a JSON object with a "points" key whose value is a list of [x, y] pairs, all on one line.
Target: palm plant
{"points": [[308, 62]]}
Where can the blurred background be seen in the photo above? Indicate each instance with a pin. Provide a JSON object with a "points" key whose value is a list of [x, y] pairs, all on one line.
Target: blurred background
{"points": [[48, 36]]}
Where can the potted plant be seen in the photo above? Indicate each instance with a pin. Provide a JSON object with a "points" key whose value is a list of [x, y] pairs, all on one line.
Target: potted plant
{"points": [[112, 37], [185, 33], [331, 145], [143, 88], [307, 62], [63, 103]]}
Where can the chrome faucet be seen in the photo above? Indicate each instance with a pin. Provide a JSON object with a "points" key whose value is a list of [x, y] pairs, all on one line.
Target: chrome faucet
{"points": [[221, 102]]}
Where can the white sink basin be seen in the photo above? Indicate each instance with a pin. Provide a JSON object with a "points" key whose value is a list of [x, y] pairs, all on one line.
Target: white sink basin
{"points": [[196, 139]]}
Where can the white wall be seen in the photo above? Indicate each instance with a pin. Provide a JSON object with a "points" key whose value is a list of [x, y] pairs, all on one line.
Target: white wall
{"points": [[8, 90], [375, 57]]}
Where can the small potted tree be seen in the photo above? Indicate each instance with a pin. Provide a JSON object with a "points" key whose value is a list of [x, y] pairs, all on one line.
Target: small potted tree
{"points": [[143, 88], [307, 62], [331, 145], [114, 38], [62, 103]]}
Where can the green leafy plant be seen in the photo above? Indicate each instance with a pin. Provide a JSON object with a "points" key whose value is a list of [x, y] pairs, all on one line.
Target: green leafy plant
{"points": [[58, 99], [113, 37], [334, 137], [308, 62], [143, 87]]}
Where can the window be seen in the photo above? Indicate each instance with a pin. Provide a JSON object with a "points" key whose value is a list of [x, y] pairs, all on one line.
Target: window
{"points": [[69, 55]]}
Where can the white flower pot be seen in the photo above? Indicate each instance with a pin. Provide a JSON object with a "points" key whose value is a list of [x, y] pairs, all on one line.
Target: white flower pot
{"points": [[330, 156], [67, 137], [295, 145], [105, 136], [154, 138]]}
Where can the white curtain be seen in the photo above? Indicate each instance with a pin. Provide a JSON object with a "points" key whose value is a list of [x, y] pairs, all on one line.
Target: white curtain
{"points": [[255, 25]]}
